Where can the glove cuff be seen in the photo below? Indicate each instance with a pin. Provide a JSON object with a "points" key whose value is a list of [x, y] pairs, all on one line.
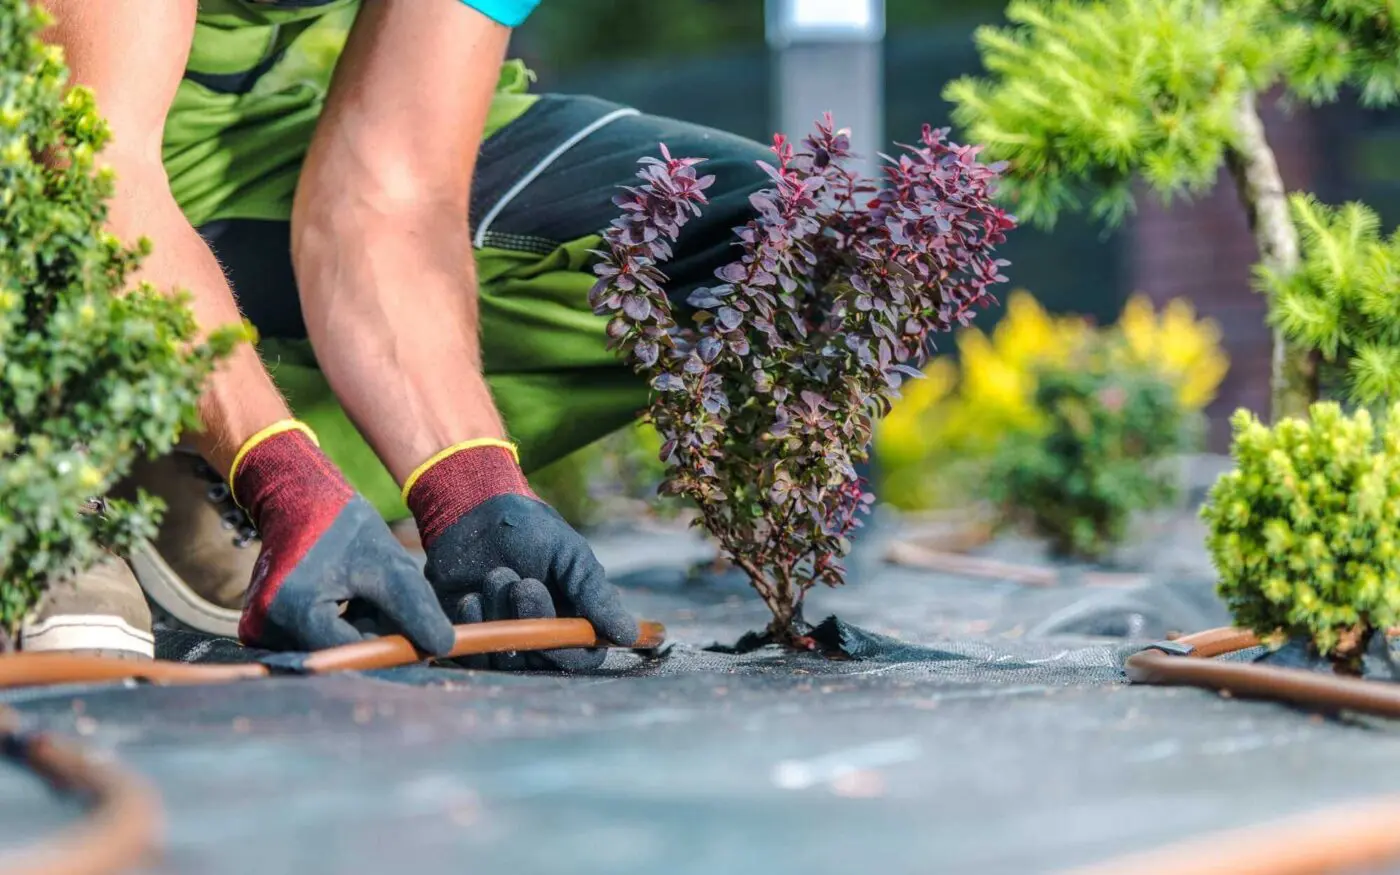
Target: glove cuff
{"points": [[457, 480], [280, 427], [282, 463]]}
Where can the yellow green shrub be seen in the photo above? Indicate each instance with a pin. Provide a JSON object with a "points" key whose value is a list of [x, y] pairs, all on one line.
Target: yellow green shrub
{"points": [[97, 369], [1304, 531], [940, 437]]}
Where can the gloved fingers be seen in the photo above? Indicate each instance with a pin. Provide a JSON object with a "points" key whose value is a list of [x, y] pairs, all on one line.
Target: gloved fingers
{"points": [[466, 609], [530, 598], [498, 603], [494, 604], [585, 584], [322, 626], [407, 599]]}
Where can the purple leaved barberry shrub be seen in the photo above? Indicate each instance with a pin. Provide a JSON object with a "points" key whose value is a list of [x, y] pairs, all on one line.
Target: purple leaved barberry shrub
{"points": [[767, 395]]}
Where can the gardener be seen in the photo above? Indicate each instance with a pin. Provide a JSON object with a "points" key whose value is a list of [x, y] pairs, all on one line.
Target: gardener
{"points": [[411, 242]]}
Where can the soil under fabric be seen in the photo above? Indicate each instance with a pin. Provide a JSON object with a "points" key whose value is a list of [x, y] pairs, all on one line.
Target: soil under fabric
{"points": [[986, 728]]}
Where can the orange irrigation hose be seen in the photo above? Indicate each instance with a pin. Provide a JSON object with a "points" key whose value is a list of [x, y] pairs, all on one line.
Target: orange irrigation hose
{"points": [[1251, 680], [121, 829], [499, 636], [43, 669], [1217, 642], [1248, 680], [40, 669], [1344, 838], [123, 824], [946, 562]]}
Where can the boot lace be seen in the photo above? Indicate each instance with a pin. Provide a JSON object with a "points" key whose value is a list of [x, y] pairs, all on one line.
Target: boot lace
{"points": [[218, 493]]}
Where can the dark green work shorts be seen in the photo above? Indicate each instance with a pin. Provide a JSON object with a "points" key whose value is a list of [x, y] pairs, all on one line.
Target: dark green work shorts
{"points": [[542, 195]]}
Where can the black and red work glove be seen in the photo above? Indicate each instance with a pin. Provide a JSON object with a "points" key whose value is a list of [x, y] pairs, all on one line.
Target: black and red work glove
{"points": [[497, 552], [323, 546]]}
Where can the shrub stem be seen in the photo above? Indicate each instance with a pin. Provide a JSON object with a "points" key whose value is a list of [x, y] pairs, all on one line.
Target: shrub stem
{"points": [[1253, 167]]}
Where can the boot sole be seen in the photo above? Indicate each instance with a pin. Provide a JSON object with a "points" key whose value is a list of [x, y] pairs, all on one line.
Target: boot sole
{"points": [[104, 634], [168, 593]]}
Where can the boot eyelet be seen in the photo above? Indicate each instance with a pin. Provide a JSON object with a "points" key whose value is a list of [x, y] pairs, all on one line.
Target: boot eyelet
{"points": [[217, 493]]}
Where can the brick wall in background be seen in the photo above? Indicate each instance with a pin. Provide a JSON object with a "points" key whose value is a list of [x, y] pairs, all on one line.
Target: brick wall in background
{"points": [[1203, 251]]}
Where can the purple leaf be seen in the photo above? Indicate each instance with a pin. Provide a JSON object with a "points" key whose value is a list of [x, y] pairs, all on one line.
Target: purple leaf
{"points": [[709, 348], [728, 318], [733, 272], [704, 299], [668, 383]]}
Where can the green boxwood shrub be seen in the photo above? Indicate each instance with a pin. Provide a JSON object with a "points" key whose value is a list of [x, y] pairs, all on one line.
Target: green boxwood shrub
{"points": [[1305, 532], [91, 373], [1097, 457]]}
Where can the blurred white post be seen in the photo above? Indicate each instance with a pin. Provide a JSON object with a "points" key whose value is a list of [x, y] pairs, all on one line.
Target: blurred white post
{"points": [[828, 57]]}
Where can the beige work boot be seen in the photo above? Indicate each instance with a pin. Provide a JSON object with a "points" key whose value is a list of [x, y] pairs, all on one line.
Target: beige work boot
{"points": [[198, 568], [100, 612]]}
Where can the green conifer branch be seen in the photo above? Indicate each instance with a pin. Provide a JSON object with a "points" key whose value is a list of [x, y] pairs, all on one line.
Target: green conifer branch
{"points": [[1342, 299], [1085, 98]]}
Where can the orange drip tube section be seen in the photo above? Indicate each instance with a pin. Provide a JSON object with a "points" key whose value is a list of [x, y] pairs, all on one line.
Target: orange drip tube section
{"points": [[502, 636], [1309, 689], [123, 823], [1346, 838], [1354, 837]]}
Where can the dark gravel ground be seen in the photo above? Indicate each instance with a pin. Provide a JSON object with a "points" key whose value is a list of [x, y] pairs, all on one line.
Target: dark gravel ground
{"points": [[1008, 744]]}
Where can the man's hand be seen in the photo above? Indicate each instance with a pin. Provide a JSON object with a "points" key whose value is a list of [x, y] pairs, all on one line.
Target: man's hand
{"points": [[496, 552], [323, 545], [387, 279]]}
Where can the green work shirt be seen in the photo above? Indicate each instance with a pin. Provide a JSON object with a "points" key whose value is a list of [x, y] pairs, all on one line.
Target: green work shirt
{"points": [[253, 89]]}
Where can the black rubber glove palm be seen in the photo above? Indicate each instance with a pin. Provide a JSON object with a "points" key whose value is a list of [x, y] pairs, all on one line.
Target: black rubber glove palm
{"points": [[323, 545], [514, 557]]}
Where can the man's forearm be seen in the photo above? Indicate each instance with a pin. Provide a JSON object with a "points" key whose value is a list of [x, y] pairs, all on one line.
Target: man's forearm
{"points": [[240, 398], [99, 41], [389, 297], [379, 227]]}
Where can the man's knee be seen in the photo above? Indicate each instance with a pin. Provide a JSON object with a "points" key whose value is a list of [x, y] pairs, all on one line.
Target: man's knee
{"points": [[707, 241]]}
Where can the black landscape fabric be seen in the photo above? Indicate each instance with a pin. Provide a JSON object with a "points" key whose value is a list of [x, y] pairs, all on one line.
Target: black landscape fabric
{"points": [[984, 728]]}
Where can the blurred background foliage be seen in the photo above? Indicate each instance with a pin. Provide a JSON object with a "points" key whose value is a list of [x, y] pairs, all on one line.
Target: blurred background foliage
{"points": [[1107, 430], [936, 447], [706, 61], [566, 36]]}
